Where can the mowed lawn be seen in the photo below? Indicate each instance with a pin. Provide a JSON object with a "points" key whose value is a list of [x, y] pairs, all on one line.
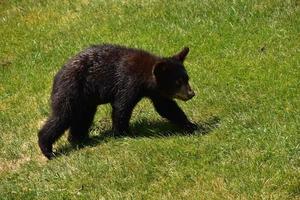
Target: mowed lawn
{"points": [[244, 65]]}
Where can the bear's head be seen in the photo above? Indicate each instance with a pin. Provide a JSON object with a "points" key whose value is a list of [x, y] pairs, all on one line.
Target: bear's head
{"points": [[172, 78]]}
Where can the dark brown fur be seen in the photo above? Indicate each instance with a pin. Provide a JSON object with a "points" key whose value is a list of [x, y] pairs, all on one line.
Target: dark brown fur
{"points": [[117, 75]]}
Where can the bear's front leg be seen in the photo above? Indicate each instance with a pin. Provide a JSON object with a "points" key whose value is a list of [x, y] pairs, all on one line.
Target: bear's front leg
{"points": [[120, 120], [122, 109], [169, 109]]}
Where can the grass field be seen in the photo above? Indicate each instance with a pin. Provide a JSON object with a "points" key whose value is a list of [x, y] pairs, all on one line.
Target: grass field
{"points": [[244, 66]]}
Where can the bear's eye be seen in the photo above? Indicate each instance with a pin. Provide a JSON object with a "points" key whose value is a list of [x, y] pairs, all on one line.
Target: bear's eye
{"points": [[178, 83]]}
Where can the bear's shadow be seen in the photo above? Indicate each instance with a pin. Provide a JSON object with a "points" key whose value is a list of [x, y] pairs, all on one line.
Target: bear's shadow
{"points": [[140, 129]]}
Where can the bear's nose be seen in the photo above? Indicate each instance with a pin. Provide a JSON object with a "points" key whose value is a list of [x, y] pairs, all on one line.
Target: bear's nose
{"points": [[191, 94]]}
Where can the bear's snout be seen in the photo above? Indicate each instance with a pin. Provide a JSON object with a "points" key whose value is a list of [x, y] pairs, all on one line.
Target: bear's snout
{"points": [[191, 94], [185, 93]]}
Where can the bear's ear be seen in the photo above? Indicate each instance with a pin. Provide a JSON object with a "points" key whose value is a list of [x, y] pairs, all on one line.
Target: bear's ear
{"points": [[182, 54], [159, 68]]}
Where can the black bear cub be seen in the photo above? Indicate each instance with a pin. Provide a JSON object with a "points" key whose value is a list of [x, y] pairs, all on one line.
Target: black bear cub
{"points": [[120, 76]]}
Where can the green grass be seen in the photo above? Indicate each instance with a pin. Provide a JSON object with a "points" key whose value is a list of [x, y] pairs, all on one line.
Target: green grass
{"points": [[244, 66]]}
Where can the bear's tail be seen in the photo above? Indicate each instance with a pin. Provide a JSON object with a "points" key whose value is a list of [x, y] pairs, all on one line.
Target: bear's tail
{"points": [[49, 133]]}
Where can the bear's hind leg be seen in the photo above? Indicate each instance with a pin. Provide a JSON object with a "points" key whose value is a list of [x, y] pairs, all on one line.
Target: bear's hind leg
{"points": [[50, 132], [80, 124]]}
